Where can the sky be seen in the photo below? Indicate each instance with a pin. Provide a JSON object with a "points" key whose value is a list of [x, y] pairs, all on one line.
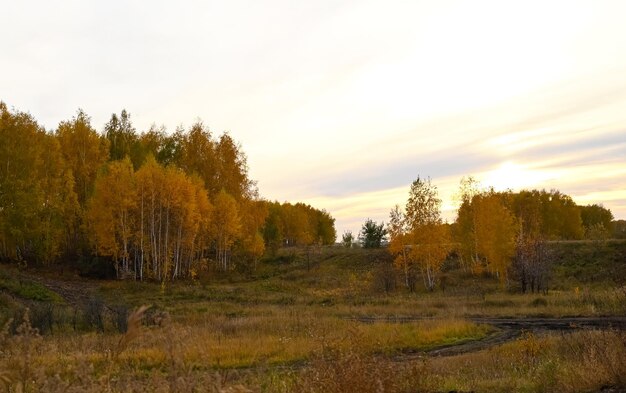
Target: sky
{"points": [[342, 104]]}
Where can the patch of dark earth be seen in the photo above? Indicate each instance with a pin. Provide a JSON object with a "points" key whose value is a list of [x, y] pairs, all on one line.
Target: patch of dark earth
{"points": [[76, 293], [506, 329]]}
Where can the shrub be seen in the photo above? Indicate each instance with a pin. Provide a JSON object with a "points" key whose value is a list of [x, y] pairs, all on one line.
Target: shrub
{"points": [[539, 302], [93, 315]]}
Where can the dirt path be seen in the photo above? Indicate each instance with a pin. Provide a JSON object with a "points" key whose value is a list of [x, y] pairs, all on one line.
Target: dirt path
{"points": [[75, 292], [507, 329]]}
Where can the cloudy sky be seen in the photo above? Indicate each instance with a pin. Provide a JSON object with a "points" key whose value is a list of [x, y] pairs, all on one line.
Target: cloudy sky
{"points": [[342, 104]]}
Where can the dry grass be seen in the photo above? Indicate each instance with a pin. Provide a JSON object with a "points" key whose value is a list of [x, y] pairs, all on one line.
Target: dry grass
{"points": [[574, 362], [180, 358], [176, 358], [133, 331], [579, 362], [288, 330], [346, 371]]}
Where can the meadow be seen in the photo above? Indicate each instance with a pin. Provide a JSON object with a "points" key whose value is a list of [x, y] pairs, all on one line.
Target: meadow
{"points": [[337, 320]]}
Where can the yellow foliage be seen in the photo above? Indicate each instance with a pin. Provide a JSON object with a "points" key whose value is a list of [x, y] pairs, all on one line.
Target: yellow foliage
{"points": [[495, 233], [110, 211], [226, 226]]}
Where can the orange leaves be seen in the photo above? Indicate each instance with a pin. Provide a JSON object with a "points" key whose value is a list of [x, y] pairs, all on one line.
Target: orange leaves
{"points": [[495, 232], [486, 230], [226, 227], [84, 152], [36, 205], [426, 239], [157, 213], [63, 192], [110, 211]]}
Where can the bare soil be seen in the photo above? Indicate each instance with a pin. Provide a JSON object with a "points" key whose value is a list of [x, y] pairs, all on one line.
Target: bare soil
{"points": [[507, 329]]}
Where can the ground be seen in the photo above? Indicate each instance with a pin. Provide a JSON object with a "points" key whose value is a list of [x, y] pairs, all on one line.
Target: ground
{"points": [[295, 326]]}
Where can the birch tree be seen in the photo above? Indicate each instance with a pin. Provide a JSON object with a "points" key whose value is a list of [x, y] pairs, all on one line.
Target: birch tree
{"points": [[109, 213], [226, 226], [399, 243], [430, 240]]}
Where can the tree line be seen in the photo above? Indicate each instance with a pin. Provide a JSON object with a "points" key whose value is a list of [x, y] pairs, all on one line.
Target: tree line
{"points": [[503, 234], [154, 205]]}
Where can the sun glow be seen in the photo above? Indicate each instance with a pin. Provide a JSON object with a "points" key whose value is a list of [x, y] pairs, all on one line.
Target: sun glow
{"points": [[510, 175]]}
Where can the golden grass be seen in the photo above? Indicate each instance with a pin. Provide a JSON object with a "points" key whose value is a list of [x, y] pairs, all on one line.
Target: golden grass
{"points": [[584, 361], [238, 342], [176, 356], [573, 362], [290, 330]]}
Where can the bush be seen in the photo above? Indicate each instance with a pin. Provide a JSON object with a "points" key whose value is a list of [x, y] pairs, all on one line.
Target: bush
{"points": [[539, 302], [120, 317], [42, 317], [384, 279], [93, 315]]}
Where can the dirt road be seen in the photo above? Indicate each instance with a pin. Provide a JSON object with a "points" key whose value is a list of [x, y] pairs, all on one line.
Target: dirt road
{"points": [[507, 329]]}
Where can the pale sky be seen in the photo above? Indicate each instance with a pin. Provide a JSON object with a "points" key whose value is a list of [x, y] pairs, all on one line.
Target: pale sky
{"points": [[343, 104]]}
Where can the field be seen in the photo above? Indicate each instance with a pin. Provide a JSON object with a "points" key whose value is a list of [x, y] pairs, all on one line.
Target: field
{"points": [[340, 321]]}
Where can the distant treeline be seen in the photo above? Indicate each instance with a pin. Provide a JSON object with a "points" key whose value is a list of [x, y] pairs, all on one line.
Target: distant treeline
{"points": [[505, 233], [498, 233], [549, 214], [299, 224], [152, 205]]}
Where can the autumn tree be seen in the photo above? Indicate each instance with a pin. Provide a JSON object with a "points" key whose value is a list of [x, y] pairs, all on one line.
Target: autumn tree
{"points": [[551, 215], [148, 179], [201, 243], [430, 239], [399, 244], [154, 223], [226, 227], [326, 233], [152, 143], [198, 154], [172, 148], [123, 139], [495, 228], [297, 225], [251, 246], [157, 205], [37, 199], [232, 169], [561, 217], [84, 152], [495, 233], [595, 219], [273, 228], [109, 213], [465, 229], [181, 220]]}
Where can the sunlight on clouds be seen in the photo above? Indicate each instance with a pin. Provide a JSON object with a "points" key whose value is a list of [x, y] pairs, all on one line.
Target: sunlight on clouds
{"points": [[334, 102], [594, 197], [351, 211], [519, 141], [510, 175]]}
